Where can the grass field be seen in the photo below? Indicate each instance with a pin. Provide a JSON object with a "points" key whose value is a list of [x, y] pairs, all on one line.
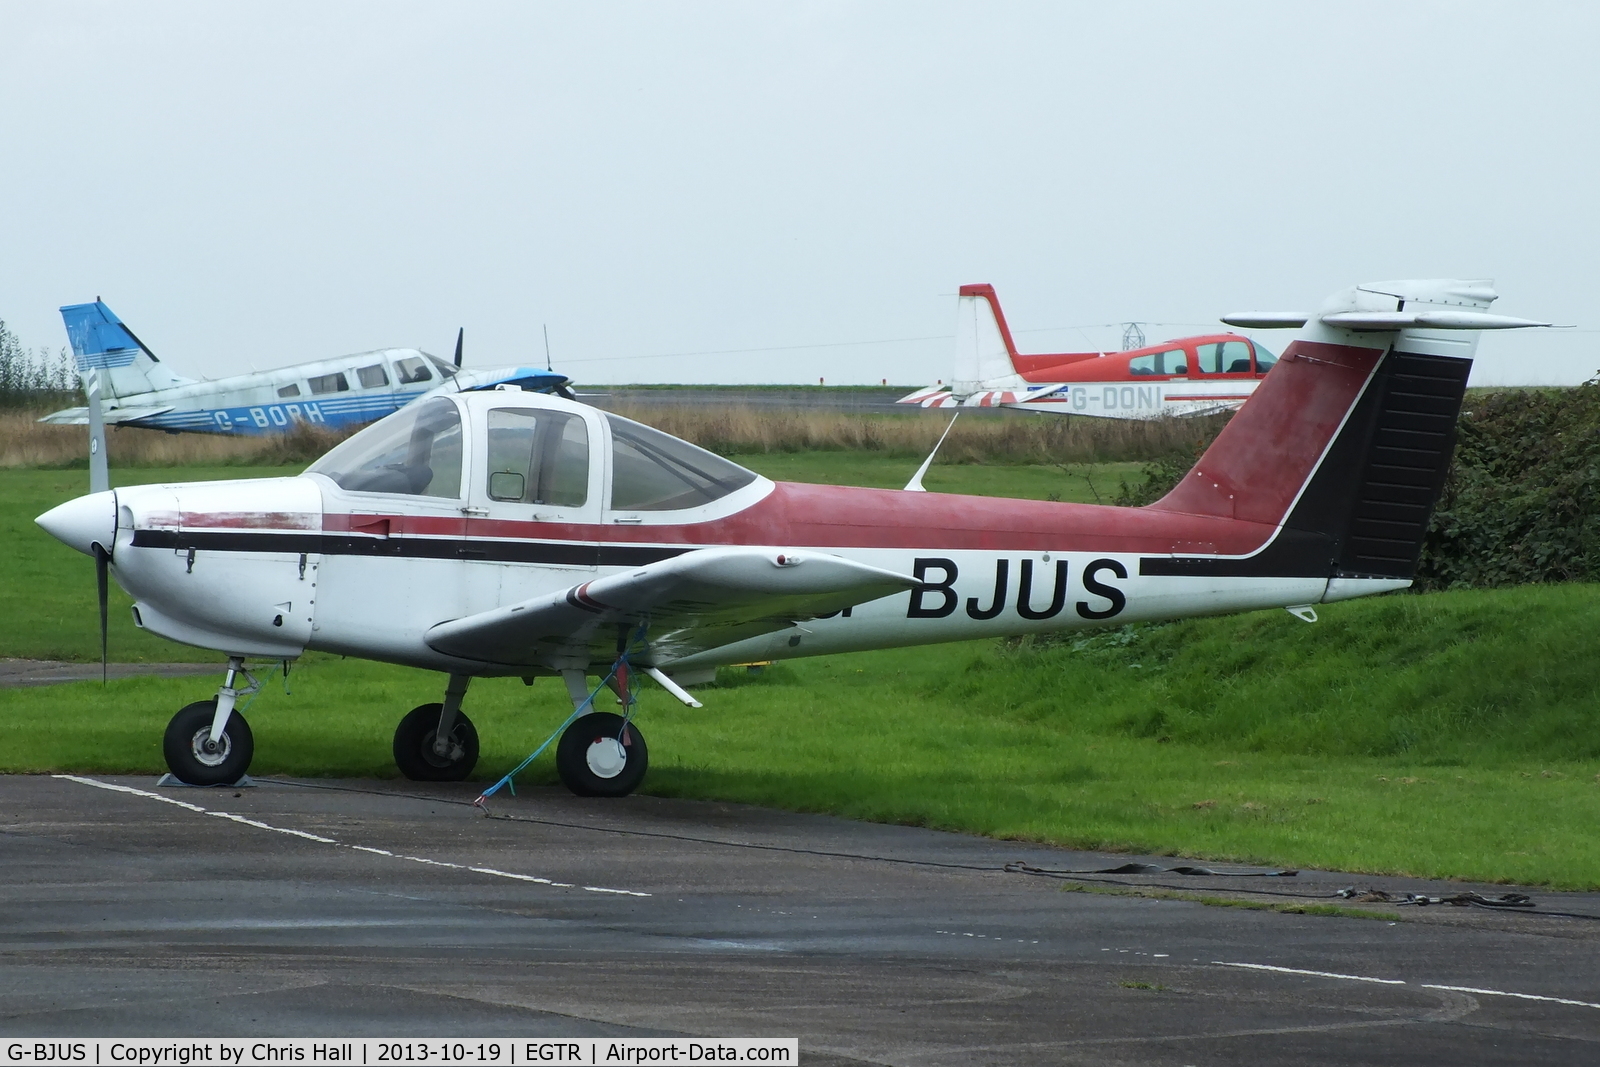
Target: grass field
{"points": [[1447, 735], [1160, 740]]}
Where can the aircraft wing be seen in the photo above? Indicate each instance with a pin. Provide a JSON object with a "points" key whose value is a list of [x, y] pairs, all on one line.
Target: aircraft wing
{"points": [[80, 416], [700, 600]]}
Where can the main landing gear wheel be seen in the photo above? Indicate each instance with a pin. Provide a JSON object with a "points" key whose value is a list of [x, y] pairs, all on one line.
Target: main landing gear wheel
{"points": [[600, 757], [192, 756], [414, 746]]}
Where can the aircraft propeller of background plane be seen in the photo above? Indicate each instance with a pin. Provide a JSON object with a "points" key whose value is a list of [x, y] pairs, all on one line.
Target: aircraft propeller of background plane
{"points": [[508, 533], [1189, 376], [137, 389]]}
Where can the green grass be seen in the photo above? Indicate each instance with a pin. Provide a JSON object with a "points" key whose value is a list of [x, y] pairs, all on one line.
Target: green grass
{"points": [[1034, 743]]}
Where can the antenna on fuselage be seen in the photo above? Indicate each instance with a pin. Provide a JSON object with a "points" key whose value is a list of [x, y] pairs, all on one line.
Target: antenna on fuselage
{"points": [[547, 365], [915, 484]]}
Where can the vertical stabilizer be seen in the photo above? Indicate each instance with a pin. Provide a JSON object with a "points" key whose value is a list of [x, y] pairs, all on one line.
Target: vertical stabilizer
{"points": [[983, 344], [1345, 446], [101, 342]]}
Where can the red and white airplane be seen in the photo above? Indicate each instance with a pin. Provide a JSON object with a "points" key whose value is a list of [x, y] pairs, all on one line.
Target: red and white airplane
{"points": [[515, 533], [1188, 376]]}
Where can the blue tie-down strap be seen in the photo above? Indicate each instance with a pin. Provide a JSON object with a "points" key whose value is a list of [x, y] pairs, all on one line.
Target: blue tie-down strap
{"points": [[588, 702]]}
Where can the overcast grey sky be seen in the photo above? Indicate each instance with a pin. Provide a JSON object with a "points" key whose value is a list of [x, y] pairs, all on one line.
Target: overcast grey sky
{"points": [[250, 185]]}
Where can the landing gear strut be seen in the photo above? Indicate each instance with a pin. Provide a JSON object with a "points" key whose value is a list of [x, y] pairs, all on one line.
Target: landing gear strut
{"points": [[207, 742], [436, 742]]}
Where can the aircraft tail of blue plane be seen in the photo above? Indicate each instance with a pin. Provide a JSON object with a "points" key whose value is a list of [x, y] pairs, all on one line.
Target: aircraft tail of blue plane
{"points": [[102, 342]]}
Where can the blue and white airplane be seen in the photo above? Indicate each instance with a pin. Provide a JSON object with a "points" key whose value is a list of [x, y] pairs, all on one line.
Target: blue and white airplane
{"points": [[137, 389]]}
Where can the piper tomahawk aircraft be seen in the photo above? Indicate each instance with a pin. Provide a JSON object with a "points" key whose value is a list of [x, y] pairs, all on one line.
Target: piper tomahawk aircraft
{"points": [[512, 533], [137, 389], [1189, 376]]}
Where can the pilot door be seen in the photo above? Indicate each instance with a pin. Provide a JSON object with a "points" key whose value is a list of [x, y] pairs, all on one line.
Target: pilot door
{"points": [[533, 515]]}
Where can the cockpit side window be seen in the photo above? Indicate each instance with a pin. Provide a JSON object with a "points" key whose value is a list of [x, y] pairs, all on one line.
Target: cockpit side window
{"points": [[414, 452], [1173, 361], [538, 457], [653, 471], [1235, 357], [1225, 357], [413, 370]]}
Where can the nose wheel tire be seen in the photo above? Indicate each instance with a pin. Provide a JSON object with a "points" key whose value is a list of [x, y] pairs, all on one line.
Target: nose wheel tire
{"points": [[192, 756], [598, 756], [414, 751]]}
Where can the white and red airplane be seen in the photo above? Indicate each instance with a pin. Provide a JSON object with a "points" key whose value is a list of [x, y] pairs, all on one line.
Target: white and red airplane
{"points": [[513, 533], [1188, 376]]}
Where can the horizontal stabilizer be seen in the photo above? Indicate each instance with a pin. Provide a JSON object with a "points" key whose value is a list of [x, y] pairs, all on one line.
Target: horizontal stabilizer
{"points": [[1426, 320], [1266, 320], [690, 603], [925, 393], [113, 416]]}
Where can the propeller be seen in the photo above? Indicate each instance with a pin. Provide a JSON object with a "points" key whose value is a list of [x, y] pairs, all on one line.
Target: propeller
{"points": [[99, 482], [102, 564], [460, 333]]}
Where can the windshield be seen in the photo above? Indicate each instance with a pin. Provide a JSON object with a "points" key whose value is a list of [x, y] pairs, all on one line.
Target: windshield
{"points": [[446, 370], [653, 471], [414, 452], [1264, 359]]}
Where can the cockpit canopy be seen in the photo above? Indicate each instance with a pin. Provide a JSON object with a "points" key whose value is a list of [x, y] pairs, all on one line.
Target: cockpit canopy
{"points": [[414, 452], [531, 451]]}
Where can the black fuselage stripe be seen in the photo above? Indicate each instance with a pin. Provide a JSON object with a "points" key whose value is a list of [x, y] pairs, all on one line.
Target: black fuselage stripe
{"points": [[566, 553]]}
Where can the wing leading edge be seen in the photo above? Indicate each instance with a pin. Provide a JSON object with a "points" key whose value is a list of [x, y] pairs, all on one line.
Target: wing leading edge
{"points": [[687, 604]]}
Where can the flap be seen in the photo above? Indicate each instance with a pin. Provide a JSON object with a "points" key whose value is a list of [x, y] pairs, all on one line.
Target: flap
{"points": [[700, 600]]}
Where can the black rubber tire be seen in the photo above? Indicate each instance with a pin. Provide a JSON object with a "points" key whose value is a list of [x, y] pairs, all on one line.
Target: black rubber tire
{"points": [[572, 756], [188, 762], [413, 746]]}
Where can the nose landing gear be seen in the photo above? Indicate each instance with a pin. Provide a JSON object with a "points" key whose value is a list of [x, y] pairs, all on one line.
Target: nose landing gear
{"points": [[194, 757], [209, 743]]}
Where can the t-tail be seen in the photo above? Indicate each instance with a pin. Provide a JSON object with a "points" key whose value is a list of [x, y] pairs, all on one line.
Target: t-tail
{"points": [[102, 344], [1345, 446], [985, 352], [988, 371]]}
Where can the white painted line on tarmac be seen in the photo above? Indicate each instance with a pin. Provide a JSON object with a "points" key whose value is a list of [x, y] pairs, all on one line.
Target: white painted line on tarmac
{"points": [[1398, 981], [1519, 996], [1314, 974], [276, 829], [522, 877], [129, 789], [231, 817]]}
